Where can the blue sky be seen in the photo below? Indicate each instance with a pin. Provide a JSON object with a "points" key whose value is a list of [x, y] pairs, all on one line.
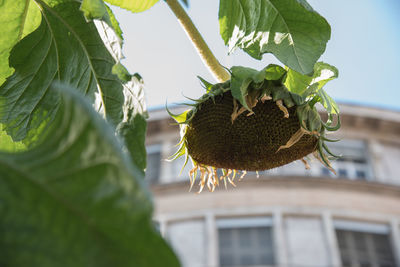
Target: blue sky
{"points": [[364, 46]]}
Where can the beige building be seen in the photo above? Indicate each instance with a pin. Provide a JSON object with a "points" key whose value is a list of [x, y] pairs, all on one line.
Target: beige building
{"points": [[288, 216]]}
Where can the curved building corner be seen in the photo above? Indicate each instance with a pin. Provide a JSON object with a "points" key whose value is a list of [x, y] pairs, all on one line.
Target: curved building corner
{"points": [[288, 216]]}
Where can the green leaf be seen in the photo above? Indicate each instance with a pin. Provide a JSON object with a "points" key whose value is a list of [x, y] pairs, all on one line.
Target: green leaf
{"points": [[64, 47], [274, 72], [122, 73], [328, 103], [94, 9], [76, 199], [7, 144], [133, 127], [133, 132], [306, 85], [314, 120], [324, 73], [18, 19], [242, 77], [296, 82], [240, 81], [114, 23], [179, 118], [240, 90], [242, 73], [207, 85], [289, 29], [134, 5]]}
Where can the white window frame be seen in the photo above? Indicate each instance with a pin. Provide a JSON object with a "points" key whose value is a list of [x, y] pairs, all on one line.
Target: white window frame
{"points": [[259, 221], [366, 227]]}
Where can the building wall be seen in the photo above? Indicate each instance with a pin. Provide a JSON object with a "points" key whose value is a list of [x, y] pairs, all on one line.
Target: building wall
{"points": [[301, 237], [188, 239], [306, 230], [315, 218]]}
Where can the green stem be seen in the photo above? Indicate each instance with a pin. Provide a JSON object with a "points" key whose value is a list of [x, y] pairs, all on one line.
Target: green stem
{"points": [[202, 48]]}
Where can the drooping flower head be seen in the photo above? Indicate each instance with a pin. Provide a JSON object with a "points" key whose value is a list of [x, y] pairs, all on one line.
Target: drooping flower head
{"points": [[256, 121]]}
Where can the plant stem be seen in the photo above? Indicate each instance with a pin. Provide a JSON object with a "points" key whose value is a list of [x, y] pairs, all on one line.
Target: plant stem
{"points": [[202, 48]]}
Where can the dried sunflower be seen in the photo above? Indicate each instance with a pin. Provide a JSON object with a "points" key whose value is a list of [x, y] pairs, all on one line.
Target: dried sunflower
{"points": [[256, 121]]}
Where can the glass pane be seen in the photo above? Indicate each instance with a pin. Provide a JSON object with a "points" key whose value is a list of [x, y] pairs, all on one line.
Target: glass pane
{"points": [[247, 259], [354, 156], [153, 167], [383, 249], [361, 174], [365, 249], [360, 242], [342, 173], [225, 238], [325, 171], [245, 246], [245, 238], [226, 259], [267, 259], [264, 237]]}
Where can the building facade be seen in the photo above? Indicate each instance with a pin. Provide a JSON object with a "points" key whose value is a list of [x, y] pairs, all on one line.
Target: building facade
{"points": [[288, 216]]}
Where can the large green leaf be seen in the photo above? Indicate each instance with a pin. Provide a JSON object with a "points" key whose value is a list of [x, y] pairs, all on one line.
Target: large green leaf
{"points": [[65, 47], [290, 29], [76, 199], [132, 127], [134, 5], [18, 18]]}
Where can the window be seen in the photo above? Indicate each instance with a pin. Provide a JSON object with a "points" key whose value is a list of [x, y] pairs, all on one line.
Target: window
{"points": [[325, 171], [342, 173], [365, 247], [153, 163], [180, 173], [354, 162], [361, 175], [245, 242]]}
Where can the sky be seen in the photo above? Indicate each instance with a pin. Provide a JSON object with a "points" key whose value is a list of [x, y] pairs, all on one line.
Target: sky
{"points": [[364, 46]]}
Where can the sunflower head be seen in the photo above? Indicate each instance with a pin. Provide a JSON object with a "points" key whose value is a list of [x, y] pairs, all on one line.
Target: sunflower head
{"points": [[257, 121]]}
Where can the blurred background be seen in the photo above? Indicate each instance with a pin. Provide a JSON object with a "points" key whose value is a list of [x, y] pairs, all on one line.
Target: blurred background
{"points": [[289, 216]]}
